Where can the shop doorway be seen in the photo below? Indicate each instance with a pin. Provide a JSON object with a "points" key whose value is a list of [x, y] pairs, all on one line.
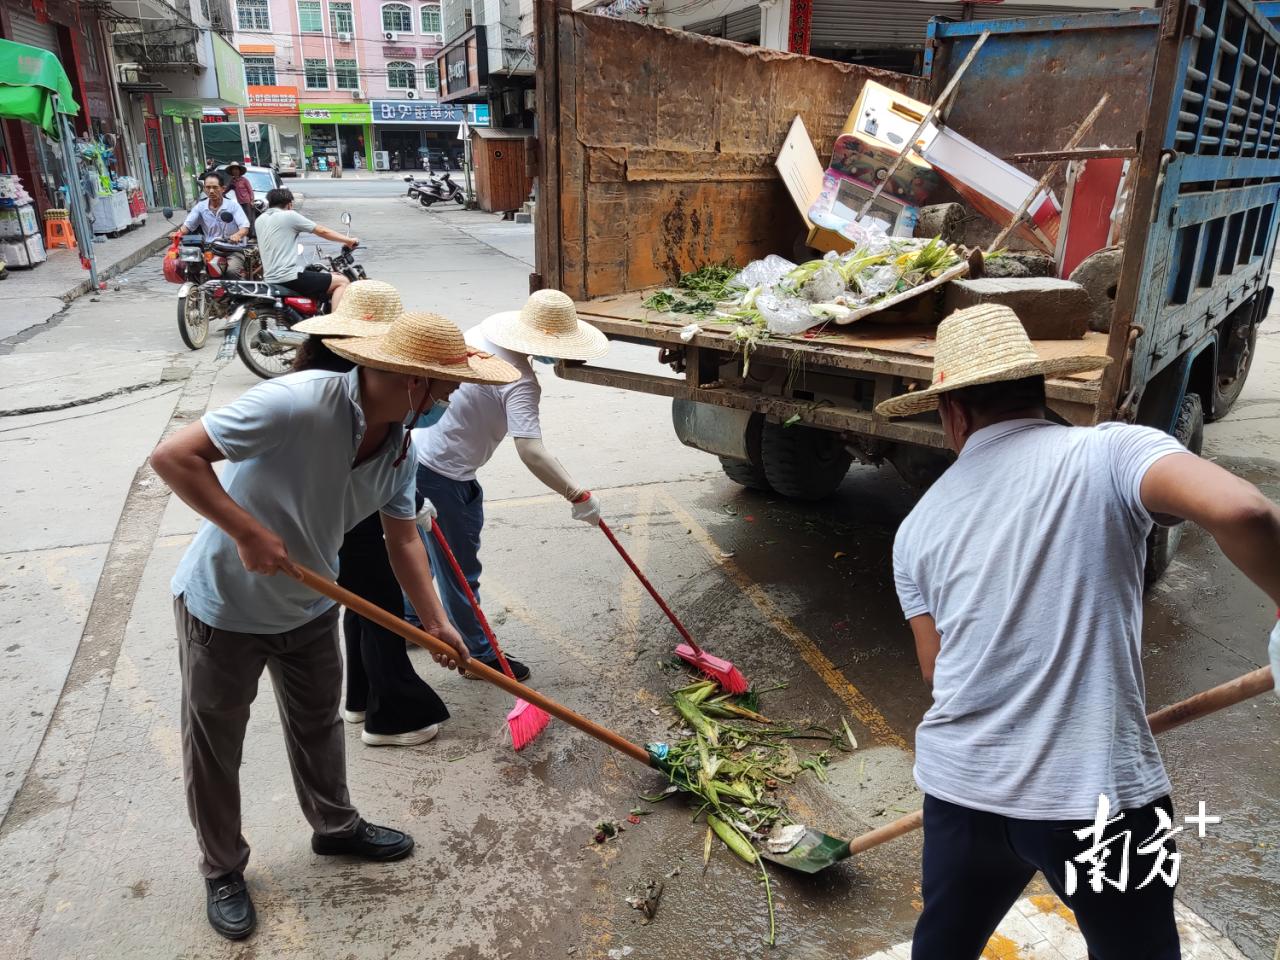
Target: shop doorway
{"points": [[351, 139], [402, 148]]}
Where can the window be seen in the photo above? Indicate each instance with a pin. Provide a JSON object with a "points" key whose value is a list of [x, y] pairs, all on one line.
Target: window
{"points": [[401, 75], [340, 18], [431, 19], [346, 75], [310, 19], [253, 15], [260, 71], [396, 18], [430, 79], [317, 72]]}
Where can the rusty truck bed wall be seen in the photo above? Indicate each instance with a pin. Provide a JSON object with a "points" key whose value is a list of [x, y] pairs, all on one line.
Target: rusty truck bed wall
{"points": [[658, 148]]}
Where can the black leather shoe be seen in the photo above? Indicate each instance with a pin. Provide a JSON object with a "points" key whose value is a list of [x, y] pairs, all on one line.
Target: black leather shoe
{"points": [[229, 908], [368, 842], [518, 669]]}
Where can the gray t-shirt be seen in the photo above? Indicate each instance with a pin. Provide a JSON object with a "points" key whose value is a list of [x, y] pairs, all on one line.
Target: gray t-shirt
{"points": [[1028, 552], [278, 231], [291, 443]]}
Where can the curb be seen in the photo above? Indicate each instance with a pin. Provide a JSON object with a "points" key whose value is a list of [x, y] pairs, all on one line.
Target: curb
{"points": [[127, 262]]}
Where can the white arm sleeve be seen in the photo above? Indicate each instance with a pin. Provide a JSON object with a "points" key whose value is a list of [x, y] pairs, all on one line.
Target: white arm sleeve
{"points": [[534, 455]]}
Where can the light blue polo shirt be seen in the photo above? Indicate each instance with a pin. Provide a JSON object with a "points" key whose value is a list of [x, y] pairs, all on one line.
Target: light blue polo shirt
{"points": [[291, 443]]}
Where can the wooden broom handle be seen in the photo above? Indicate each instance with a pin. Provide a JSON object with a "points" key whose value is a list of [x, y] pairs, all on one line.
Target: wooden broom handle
{"points": [[649, 586], [1175, 715], [399, 626]]}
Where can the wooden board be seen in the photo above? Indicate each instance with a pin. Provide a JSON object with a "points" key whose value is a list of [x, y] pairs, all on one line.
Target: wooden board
{"points": [[904, 349]]}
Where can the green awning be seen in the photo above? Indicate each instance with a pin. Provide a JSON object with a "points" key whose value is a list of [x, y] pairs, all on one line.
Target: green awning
{"points": [[29, 78]]}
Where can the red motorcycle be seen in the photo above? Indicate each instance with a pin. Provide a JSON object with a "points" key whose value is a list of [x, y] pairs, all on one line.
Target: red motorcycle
{"points": [[190, 261]]}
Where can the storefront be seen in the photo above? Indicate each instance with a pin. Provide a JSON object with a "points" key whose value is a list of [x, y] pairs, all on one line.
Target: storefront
{"points": [[409, 130], [183, 148], [337, 134], [278, 106]]}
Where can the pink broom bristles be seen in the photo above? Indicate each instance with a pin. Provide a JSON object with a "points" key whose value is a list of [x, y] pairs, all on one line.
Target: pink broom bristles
{"points": [[525, 721], [722, 672]]}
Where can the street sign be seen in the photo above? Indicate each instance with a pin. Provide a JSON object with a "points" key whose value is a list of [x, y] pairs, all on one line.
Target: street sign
{"points": [[253, 131]]}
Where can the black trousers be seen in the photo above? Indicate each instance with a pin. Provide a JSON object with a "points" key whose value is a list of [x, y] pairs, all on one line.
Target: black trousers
{"points": [[977, 864], [380, 677]]}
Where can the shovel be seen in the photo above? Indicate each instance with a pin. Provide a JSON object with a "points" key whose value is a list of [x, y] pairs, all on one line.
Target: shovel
{"points": [[816, 850]]}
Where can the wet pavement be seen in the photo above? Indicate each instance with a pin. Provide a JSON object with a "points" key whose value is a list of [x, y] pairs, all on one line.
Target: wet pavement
{"points": [[97, 851]]}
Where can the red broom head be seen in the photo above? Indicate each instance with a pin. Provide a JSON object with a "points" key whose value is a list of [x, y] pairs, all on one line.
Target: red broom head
{"points": [[525, 722], [722, 672]]}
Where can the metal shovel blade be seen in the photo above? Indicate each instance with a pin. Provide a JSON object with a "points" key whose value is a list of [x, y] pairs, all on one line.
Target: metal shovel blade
{"points": [[815, 852]]}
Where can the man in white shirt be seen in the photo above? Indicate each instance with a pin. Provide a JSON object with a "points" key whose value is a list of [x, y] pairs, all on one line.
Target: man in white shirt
{"points": [[474, 424], [1020, 574]]}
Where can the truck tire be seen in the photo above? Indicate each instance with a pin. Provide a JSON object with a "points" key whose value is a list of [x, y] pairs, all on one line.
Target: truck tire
{"points": [[1236, 347], [1162, 542], [803, 463]]}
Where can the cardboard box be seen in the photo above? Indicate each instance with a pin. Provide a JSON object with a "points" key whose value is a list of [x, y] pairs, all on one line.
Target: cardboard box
{"points": [[994, 188]]}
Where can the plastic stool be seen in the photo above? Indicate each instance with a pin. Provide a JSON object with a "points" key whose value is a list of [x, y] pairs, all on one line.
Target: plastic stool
{"points": [[60, 234]]}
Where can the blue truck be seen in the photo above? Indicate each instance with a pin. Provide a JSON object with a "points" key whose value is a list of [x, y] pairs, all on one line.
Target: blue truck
{"points": [[656, 154]]}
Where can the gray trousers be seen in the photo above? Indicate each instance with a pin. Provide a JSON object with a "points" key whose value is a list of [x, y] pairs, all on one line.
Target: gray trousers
{"points": [[220, 672]]}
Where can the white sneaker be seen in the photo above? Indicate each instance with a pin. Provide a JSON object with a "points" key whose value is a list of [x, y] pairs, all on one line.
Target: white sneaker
{"points": [[410, 739], [352, 716]]}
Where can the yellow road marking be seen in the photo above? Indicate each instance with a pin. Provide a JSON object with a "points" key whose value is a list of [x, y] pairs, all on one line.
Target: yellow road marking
{"points": [[862, 708]]}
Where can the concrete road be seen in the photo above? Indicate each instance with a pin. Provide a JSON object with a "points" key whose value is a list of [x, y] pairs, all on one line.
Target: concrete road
{"points": [[99, 859]]}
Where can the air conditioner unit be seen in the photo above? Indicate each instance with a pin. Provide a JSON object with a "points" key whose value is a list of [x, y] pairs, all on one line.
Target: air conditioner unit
{"points": [[344, 38], [357, 94], [391, 35], [411, 94]]}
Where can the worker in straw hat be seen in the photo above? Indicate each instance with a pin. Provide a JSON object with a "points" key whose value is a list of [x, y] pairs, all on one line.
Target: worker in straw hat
{"points": [[311, 454], [1020, 572], [478, 417], [383, 692]]}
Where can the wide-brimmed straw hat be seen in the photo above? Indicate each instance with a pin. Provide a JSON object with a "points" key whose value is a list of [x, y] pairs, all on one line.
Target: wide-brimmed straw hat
{"points": [[983, 344], [366, 310], [546, 326], [236, 165], [426, 345]]}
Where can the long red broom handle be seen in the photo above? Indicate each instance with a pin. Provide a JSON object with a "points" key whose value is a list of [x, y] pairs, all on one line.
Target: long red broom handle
{"points": [[471, 597], [649, 586], [1175, 715], [371, 611]]}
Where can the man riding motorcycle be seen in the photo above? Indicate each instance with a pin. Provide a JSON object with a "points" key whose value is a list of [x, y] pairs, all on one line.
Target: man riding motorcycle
{"points": [[278, 228], [206, 218]]}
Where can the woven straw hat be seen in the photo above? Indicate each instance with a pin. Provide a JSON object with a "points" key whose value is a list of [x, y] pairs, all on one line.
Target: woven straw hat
{"points": [[983, 344], [546, 326], [366, 310], [425, 345]]}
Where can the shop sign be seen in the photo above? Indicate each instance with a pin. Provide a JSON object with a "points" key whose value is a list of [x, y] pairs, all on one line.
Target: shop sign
{"points": [[400, 53], [228, 67], [272, 100], [416, 111], [336, 113], [463, 66]]}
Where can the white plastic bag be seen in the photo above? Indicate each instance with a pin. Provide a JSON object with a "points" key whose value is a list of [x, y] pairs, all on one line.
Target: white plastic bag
{"points": [[785, 315], [763, 273]]}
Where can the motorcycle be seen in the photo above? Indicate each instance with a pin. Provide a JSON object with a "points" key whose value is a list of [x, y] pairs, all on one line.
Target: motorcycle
{"points": [[191, 261], [440, 189], [416, 185], [266, 312]]}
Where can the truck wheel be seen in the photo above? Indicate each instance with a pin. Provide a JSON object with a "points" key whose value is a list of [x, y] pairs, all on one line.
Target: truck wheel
{"points": [[803, 463], [1235, 356], [1162, 542], [749, 473]]}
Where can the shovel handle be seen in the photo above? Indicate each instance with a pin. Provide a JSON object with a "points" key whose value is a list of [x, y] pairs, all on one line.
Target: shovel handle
{"points": [[1184, 711], [371, 611], [649, 586]]}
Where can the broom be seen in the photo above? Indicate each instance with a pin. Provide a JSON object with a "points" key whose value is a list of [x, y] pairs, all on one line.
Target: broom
{"points": [[525, 721], [722, 672]]}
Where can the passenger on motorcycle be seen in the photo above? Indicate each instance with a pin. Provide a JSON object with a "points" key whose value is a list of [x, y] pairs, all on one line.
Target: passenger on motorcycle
{"points": [[278, 227], [206, 218]]}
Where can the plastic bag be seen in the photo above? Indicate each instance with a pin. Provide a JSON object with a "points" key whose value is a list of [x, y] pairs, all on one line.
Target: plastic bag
{"points": [[825, 285], [785, 315], [763, 273], [868, 235], [876, 282]]}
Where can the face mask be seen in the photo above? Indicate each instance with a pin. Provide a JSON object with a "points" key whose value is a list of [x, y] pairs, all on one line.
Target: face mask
{"points": [[549, 361], [434, 414]]}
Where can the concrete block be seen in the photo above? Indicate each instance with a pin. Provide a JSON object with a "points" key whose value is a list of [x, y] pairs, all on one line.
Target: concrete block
{"points": [[1099, 274], [1049, 308]]}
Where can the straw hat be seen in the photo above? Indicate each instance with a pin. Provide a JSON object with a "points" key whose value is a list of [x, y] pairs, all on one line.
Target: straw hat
{"points": [[983, 344], [236, 165], [425, 345], [366, 310], [546, 326]]}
